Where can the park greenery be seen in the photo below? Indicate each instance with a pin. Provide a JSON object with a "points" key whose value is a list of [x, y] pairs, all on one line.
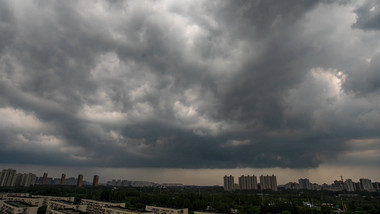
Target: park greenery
{"points": [[216, 200]]}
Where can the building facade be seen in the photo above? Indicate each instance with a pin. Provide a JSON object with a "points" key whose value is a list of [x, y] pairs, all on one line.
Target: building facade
{"points": [[268, 182], [248, 182], [57, 205], [120, 210], [8, 177], [349, 185], [95, 182], [95, 207], [165, 210], [229, 183], [63, 179], [304, 183], [17, 207], [366, 184], [28, 200], [44, 179], [46, 199], [80, 181]]}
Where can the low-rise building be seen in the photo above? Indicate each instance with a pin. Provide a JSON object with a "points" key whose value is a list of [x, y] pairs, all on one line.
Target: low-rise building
{"points": [[95, 207], [120, 210], [68, 211], [56, 205], [29, 200], [199, 212], [17, 207], [164, 210], [8, 194], [46, 199]]}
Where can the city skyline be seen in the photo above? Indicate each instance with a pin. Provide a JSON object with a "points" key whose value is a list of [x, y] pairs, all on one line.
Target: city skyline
{"points": [[187, 91], [88, 178], [11, 178]]}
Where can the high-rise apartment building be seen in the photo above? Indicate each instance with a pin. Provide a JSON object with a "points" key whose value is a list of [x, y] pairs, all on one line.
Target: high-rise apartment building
{"points": [[44, 179], [305, 184], [80, 180], [26, 179], [349, 185], [19, 177], [268, 182], [229, 183], [8, 177], [63, 179], [366, 184], [95, 182], [247, 182]]}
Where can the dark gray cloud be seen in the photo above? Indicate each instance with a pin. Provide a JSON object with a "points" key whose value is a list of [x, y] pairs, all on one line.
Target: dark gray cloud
{"points": [[368, 15], [203, 84]]}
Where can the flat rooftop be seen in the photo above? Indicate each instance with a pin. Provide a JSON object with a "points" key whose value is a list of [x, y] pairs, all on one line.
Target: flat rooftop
{"points": [[126, 209], [71, 211], [19, 196], [64, 202], [18, 204]]}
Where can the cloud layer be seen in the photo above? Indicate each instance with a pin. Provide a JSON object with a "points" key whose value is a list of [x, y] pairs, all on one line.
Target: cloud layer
{"points": [[189, 84]]}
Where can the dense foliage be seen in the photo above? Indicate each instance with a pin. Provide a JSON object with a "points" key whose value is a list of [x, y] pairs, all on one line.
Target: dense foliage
{"points": [[214, 198]]}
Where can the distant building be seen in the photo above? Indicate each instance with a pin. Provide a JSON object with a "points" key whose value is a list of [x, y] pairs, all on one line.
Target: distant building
{"points": [[8, 177], [292, 185], [30, 180], [56, 181], [49, 181], [339, 184], [18, 181], [63, 179], [268, 182], [44, 179], [247, 182], [95, 182], [316, 186], [164, 210], [366, 184], [376, 185], [80, 181], [349, 185], [71, 181], [229, 183], [357, 186], [304, 183]]}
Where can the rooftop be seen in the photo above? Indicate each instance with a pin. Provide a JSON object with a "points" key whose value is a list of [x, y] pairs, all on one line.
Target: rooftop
{"points": [[18, 204], [125, 209], [71, 211], [64, 202]]}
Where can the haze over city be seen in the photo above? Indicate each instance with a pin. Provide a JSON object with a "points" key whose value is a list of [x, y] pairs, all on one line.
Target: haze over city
{"points": [[188, 91]]}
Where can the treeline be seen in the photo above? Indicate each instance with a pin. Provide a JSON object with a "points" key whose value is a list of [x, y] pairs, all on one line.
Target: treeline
{"points": [[214, 198]]}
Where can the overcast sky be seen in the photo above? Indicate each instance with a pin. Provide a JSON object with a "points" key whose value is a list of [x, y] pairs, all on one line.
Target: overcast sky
{"points": [[191, 85]]}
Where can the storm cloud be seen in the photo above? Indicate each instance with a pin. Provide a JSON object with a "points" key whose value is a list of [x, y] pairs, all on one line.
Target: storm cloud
{"points": [[189, 84]]}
